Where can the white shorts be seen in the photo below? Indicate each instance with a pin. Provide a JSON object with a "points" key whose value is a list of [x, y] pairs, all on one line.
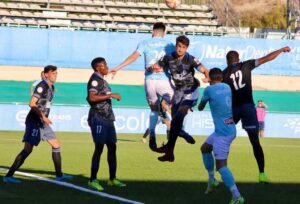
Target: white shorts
{"points": [[158, 88], [221, 145]]}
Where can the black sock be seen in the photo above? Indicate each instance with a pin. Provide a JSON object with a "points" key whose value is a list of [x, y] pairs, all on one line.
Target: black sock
{"points": [[112, 160], [257, 149], [57, 161], [96, 160], [176, 126], [18, 162], [147, 132]]}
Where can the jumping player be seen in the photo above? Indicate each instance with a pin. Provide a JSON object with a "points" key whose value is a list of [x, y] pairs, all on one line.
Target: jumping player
{"points": [[157, 84], [238, 76], [181, 67]]}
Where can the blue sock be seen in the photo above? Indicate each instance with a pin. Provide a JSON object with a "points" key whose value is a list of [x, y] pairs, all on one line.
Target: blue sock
{"points": [[209, 164], [228, 180], [153, 121]]}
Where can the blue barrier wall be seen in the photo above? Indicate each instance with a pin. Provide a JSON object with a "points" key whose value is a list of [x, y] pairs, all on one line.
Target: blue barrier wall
{"points": [[38, 47], [73, 119]]}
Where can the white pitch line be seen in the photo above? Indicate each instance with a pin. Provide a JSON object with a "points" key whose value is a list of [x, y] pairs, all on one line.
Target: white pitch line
{"points": [[69, 185]]}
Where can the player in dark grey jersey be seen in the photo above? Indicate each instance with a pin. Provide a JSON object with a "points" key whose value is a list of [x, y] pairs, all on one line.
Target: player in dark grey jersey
{"points": [[238, 76], [180, 65], [38, 126]]}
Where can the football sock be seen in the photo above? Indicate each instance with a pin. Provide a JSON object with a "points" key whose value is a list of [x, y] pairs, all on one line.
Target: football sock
{"points": [[18, 162], [112, 160], [209, 164], [153, 121], [229, 182], [176, 126], [257, 149], [96, 160], [147, 132], [57, 161]]}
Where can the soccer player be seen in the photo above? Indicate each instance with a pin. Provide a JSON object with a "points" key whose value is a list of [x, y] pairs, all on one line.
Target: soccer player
{"points": [[101, 121], [238, 76], [38, 127], [219, 97], [181, 66], [33, 85], [157, 84]]}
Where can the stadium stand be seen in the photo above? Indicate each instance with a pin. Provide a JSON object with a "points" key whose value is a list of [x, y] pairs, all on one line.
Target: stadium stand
{"points": [[108, 15]]}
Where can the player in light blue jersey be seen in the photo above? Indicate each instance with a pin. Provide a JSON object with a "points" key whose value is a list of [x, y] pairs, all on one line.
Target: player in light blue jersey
{"points": [[218, 95], [157, 83]]}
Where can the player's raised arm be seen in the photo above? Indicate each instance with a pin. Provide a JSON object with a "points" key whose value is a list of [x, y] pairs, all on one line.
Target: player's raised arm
{"points": [[272, 55], [130, 59]]}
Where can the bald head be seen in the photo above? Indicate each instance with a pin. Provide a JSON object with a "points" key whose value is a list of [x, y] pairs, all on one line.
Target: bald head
{"points": [[232, 57]]}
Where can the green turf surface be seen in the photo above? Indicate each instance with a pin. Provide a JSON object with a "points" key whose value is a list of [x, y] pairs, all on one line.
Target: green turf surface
{"points": [[132, 96], [149, 180]]}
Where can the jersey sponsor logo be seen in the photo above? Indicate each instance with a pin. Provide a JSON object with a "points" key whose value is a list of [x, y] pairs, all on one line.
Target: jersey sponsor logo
{"points": [[94, 83], [39, 89]]}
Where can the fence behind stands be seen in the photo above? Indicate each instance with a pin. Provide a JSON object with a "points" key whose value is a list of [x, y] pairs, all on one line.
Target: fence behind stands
{"points": [[38, 47]]}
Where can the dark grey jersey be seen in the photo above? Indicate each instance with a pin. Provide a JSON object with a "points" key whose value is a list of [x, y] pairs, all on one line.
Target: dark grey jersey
{"points": [[100, 86], [182, 71], [44, 93], [238, 77]]}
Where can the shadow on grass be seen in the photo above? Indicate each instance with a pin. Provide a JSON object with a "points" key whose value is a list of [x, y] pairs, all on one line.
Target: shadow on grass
{"points": [[34, 191]]}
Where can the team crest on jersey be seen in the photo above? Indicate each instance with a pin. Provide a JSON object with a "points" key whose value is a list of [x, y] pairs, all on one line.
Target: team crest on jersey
{"points": [[39, 89], [94, 83]]}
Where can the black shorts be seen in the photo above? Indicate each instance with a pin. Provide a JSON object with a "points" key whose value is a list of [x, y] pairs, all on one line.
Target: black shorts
{"points": [[103, 131], [34, 133], [247, 114]]}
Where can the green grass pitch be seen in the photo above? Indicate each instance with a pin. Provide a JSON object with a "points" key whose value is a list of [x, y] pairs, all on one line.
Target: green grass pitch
{"points": [[148, 180]]}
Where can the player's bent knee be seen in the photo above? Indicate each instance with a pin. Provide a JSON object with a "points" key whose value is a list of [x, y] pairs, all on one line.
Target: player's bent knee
{"points": [[206, 148]]}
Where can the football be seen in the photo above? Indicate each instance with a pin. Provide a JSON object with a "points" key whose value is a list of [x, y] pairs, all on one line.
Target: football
{"points": [[173, 4]]}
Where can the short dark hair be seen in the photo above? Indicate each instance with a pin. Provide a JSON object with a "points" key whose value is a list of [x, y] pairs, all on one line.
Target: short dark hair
{"points": [[259, 101], [216, 74], [159, 26], [183, 39], [96, 61], [232, 56], [49, 68]]}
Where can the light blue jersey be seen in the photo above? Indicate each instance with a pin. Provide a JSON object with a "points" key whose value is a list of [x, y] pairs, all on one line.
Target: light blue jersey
{"points": [[153, 50], [220, 102]]}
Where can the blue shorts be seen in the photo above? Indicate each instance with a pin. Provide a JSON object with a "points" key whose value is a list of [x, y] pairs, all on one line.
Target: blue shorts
{"points": [[221, 145], [103, 131], [34, 133], [246, 113], [261, 125]]}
